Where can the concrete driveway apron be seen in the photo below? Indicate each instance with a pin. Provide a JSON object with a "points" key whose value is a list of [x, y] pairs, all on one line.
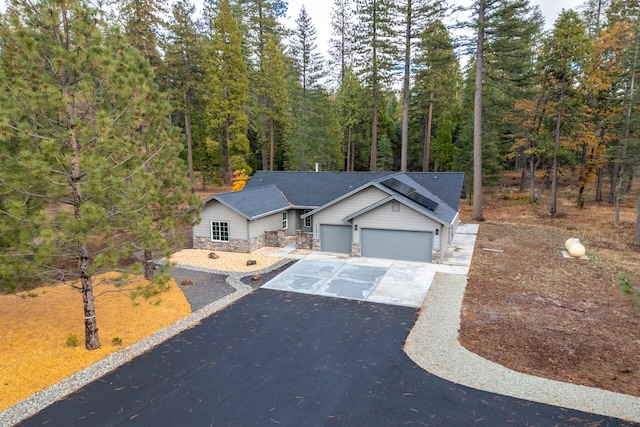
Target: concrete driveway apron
{"points": [[378, 280]]}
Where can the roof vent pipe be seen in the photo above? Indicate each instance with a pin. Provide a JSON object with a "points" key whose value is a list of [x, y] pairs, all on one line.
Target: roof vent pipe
{"points": [[317, 167]]}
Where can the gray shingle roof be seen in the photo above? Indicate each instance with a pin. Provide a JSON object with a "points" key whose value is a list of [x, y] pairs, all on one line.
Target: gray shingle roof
{"points": [[315, 189], [254, 203]]}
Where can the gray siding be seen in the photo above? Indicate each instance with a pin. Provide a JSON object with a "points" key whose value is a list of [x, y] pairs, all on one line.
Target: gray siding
{"points": [[334, 213], [271, 222], [384, 217], [216, 211]]}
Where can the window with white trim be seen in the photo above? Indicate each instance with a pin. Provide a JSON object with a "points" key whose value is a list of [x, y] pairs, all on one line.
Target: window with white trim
{"points": [[307, 220], [220, 231], [285, 220]]}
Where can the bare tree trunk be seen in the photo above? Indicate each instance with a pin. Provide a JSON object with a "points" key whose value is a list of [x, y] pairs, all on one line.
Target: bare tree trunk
{"points": [[625, 141], [272, 144], [477, 120], [373, 159], [349, 148], [263, 139], [599, 182], [91, 340], [427, 137], [149, 265], [405, 92], [228, 172], [638, 223], [532, 180], [612, 184], [75, 188], [187, 126], [523, 176], [554, 169]]}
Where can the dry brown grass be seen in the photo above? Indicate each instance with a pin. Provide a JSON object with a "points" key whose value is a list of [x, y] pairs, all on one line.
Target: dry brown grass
{"points": [[36, 325]]}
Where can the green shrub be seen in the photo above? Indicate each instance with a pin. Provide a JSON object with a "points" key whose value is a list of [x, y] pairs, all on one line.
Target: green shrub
{"points": [[626, 285], [72, 340]]}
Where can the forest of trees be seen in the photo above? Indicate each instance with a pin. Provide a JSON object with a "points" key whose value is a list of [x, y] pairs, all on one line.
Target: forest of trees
{"points": [[391, 94], [116, 114]]}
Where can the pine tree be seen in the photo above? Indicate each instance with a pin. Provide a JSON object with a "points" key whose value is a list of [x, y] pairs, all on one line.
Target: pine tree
{"points": [[273, 90], [376, 55], [142, 24], [437, 85], [228, 92], [626, 155], [564, 56], [350, 106], [416, 15], [305, 137], [477, 115], [79, 113], [342, 39], [184, 61]]}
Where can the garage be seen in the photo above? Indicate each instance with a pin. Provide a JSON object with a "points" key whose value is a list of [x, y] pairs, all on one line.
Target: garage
{"points": [[335, 238], [397, 244]]}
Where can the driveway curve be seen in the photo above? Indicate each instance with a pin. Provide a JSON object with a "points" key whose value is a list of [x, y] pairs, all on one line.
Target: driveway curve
{"points": [[280, 358]]}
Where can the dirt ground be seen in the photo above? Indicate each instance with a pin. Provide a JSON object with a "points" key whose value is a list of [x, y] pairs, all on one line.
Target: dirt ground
{"points": [[532, 310]]}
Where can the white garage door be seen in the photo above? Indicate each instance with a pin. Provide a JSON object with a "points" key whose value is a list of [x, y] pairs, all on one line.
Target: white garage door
{"points": [[397, 244], [335, 238]]}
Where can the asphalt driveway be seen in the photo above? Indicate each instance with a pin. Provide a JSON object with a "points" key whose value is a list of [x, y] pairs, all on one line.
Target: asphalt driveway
{"points": [[293, 359]]}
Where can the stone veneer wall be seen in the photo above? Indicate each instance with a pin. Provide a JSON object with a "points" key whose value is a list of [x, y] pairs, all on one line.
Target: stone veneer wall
{"points": [[304, 240], [316, 244], [356, 249], [436, 257], [275, 238], [230, 246]]}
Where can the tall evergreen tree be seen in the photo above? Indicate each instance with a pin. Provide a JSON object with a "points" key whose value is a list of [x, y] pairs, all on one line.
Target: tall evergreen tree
{"points": [[376, 56], [184, 59], [437, 85], [415, 14], [305, 137], [350, 106], [303, 48], [142, 25], [626, 155], [477, 115], [564, 56], [228, 92], [342, 39], [273, 90], [79, 112]]}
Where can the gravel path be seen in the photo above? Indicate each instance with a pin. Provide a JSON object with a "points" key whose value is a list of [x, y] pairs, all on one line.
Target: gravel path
{"points": [[207, 287], [203, 287]]}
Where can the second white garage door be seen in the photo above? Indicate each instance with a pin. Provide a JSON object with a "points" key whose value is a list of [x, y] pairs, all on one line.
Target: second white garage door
{"points": [[397, 244]]}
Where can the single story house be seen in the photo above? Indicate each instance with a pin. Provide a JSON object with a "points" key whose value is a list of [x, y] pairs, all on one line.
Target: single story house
{"points": [[411, 216]]}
